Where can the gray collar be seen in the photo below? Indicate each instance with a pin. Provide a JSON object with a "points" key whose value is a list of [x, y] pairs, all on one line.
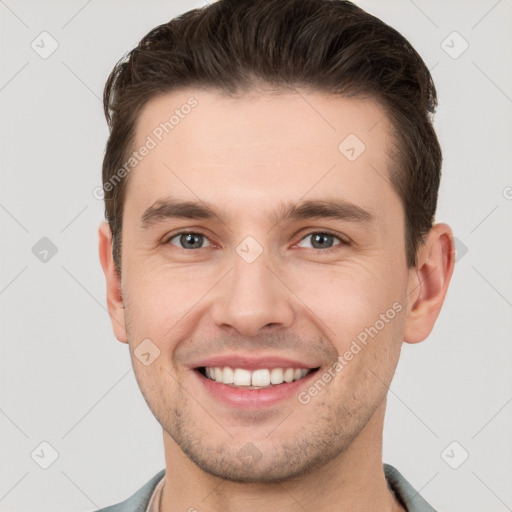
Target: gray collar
{"points": [[405, 492]]}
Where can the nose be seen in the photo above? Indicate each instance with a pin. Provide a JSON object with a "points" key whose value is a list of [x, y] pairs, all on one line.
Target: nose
{"points": [[252, 297]]}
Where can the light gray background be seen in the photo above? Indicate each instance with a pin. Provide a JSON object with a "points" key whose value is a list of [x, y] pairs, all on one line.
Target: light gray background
{"points": [[66, 380]]}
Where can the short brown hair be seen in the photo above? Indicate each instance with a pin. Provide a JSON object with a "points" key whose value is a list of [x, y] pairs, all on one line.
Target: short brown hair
{"points": [[329, 46]]}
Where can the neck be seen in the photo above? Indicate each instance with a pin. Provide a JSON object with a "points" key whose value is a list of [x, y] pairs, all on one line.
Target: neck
{"points": [[352, 481]]}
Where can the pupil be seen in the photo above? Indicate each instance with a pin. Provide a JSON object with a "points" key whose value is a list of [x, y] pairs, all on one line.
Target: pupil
{"points": [[321, 237], [189, 238]]}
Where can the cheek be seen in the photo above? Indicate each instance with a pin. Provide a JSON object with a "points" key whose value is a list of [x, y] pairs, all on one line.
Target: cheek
{"points": [[162, 292], [162, 303], [360, 302]]}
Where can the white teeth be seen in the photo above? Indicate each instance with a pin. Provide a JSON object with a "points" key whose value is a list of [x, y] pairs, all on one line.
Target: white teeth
{"points": [[288, 374], [241, 377], [227, 375], [260, 378], [276, 376]]}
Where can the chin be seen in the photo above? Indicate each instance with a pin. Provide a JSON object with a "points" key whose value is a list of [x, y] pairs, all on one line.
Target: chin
{"points": [[249, 465]]}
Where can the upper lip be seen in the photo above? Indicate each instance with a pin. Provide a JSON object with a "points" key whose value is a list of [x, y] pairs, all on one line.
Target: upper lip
{"points": [[252, 363]]}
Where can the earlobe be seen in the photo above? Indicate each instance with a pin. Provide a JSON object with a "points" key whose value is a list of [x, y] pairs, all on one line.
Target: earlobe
{"points": [[428, 283], [113, 281]]}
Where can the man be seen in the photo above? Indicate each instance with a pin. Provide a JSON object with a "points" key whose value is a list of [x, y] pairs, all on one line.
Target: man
{"points": [[271, 181]]}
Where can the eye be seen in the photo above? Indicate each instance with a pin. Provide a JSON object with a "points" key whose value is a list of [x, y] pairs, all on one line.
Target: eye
{"points": [[322, 240], [188, 240]]}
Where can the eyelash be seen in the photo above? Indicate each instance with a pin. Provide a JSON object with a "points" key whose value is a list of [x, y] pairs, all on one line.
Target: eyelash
{"points": [[343, 242]]}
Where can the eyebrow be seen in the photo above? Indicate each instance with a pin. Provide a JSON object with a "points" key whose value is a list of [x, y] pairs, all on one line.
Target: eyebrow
{"points": [[339, 209]]}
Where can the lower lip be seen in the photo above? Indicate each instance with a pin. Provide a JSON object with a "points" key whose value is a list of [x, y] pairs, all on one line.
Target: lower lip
{"points": [[253, 398]]}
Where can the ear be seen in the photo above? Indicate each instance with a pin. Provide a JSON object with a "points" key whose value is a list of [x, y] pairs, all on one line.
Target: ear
{"points": [[115, 303], [428, 283]]}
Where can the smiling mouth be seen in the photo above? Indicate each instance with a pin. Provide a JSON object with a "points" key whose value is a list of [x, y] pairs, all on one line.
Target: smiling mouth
{"points": [[254, 379]]}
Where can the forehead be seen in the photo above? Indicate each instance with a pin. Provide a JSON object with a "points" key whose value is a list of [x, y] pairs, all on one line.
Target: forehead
{"points": [[259, 148]]}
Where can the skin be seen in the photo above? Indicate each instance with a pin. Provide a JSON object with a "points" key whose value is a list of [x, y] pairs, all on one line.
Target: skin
{"points": [[243, 156]]}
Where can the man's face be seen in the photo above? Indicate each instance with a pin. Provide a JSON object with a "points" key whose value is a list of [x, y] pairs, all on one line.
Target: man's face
{"points": [[250, 290]]}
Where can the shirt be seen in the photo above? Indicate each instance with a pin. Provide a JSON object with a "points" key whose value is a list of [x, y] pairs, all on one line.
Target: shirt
{"points": [[154, 502]]}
